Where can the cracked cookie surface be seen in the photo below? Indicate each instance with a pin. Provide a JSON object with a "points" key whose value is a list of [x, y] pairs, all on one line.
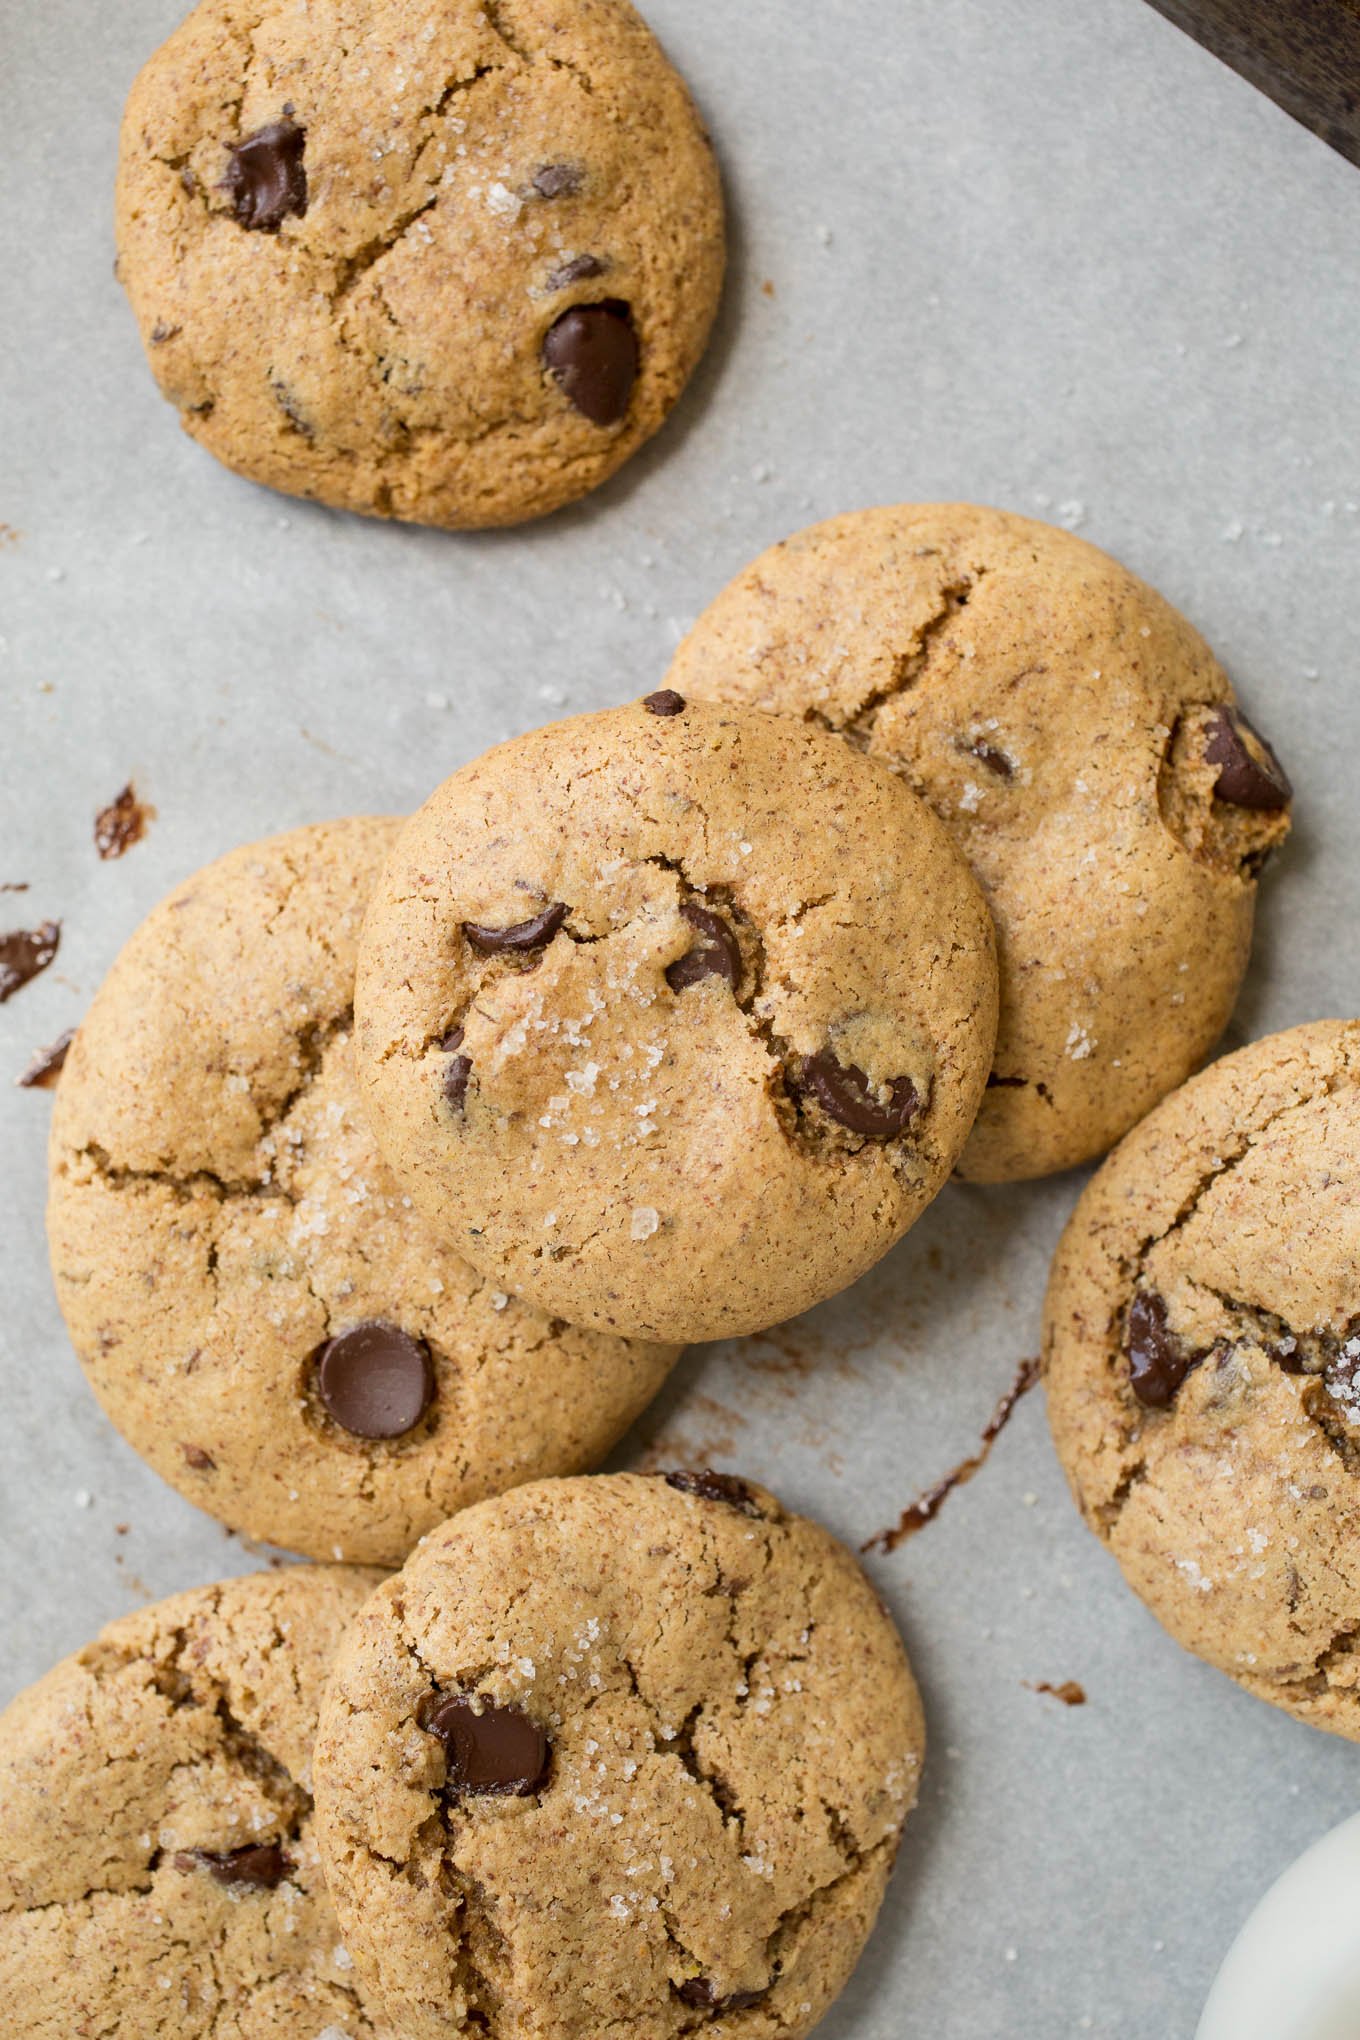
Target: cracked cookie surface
{"points": [[1202, 1364], [1077, 737], [158, 1868], [674, 1018], [726, 1740], [441, 260], [257, 1306]]}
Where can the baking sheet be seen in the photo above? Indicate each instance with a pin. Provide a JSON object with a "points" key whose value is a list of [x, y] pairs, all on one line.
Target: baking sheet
{"points": [[1050, 257]]}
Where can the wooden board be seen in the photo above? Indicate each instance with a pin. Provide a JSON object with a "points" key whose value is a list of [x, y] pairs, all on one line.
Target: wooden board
{"points": [[1304, 53]]}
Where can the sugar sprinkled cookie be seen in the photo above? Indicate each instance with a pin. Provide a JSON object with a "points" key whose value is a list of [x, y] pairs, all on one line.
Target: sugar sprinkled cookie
{"points": [[438, 260], [1202, 1362], [256, 1304], [1085, 750], [673, 1018], [629, 1754]]}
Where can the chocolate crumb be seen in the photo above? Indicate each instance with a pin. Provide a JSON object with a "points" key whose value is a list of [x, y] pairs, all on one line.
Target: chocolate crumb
{"points": [[121, 824], [46, 1066], [1069, 1692], [24, 954]]}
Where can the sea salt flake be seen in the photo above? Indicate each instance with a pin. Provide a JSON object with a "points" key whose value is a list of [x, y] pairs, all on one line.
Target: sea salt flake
{"points": [[645, 1222]]}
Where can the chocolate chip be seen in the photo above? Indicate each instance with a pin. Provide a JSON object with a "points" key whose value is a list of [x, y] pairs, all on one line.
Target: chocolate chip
{"points": [[988, 755], [664, 702], [1158, 1362], [24, 953], [458, 1071], [576, 271], [375, 1380], [558, 180], [499, 1750], [266, 179], [201, 1461], [1250, 775], [592, 351], [46, 1066], [523, 936], [716, 1487], [121, 824], [160, 333], [846, 1095], [717, 953], [260, 1868], [703, 1996]]}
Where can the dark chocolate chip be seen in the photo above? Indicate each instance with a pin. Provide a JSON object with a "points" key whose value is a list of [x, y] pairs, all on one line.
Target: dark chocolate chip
{"points": [[375, 1380], [121, 824], [266, 179], [523, 936], [664, 702], [846, 1095], [717, 953], [24, 953], [46, 1066], [703, 1996], [577, 270], [558, 180], [1250, 775], [716, 1487], [160, 333], [592, 351], [458, 1071], [1158, 1362], [499, 1750], [998, 1083], [260, 1868], [201, 1461], [988, 755]]}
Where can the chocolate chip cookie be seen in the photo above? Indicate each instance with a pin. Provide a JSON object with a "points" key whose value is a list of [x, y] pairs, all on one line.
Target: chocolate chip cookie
{"points": [[673, 1018], [1203, 1367], [158, 1869], [1083, 747], [628, 1755], [451, 261], [256, 1304]]}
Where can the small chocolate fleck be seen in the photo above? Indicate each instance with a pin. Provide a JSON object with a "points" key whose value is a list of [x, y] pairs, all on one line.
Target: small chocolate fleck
{"points": [[458, 1070], [577, 270], [1158, 1362], [121, 824], [266, 179], [716, 1487], [201, 1461], [664, 702], [1000, 1083], [46, 1066], [846, 1095], [988, 755], [498, 1750], [1250, 775], [558, 180], [592, 351], [1069, 1692], [262, 1867], [160, 333], [375, 1380], [717, 953], [523, 936], [702, 1995], [24, 954]]}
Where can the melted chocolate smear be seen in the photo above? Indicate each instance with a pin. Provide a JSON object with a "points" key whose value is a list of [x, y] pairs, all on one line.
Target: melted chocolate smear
{"points": [[846, 1095], [375, 1380], [458, 1071], [703, 1996], [121, 824], [576, 271], [716, 1487], [24, 954], [519, 939], [497, 1751], [46, 1066], [927, 1506], [266, 179], [558, 180], [717, 953], [262, 1867], [1069, 1692], [664, 702], [1250, 775], [1158, 1362], [592, 351]]}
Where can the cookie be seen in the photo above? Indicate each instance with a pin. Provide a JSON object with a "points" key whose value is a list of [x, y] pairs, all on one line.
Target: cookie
{"points": [[625, 1755], [450, 261], [1081, 744], [257, 1306], [159, 1877], [673, 1018], [1202, 1357]]}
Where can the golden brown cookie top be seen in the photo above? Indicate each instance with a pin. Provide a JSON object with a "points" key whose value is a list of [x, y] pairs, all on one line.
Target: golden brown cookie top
{"points": [[158, 1868], [611, 1753], [256, 1303], [430, 259], [1080, 742], [674, 1017], [1203, 1366]]}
